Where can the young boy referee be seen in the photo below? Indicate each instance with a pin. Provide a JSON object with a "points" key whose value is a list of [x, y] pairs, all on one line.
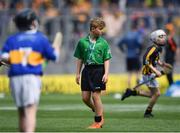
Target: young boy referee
{"points": [[93, 52]]}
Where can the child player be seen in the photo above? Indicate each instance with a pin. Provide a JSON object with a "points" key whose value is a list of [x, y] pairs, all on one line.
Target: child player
{"points": [[25, 52], [151, 60]]}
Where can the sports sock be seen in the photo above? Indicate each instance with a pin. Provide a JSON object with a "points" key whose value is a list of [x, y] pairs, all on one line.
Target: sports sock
{"points": [[134, 92], [148, 110], [97, 118]]}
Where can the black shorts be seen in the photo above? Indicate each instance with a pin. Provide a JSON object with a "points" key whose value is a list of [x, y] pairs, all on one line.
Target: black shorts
{"points": [[133, 64], [91, 78]]}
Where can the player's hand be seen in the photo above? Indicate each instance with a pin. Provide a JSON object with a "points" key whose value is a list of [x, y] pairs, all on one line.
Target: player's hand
{"points": [[158, 73], [78, 79], [167, 69], [153, 76], [105, 78], [169, 66]]}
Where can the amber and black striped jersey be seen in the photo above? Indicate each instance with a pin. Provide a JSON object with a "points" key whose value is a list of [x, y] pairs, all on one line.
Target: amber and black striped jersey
{"points": [[151, 57]]}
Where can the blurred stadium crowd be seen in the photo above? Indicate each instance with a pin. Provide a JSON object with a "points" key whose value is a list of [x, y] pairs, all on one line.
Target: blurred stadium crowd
{"points": [[71, 17]]}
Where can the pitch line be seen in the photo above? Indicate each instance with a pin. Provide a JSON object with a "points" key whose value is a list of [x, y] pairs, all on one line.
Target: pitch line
{"points": [[107, 107]]}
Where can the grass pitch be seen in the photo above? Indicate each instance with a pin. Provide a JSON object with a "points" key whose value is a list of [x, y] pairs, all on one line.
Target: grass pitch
{"points": [[67, 113]]}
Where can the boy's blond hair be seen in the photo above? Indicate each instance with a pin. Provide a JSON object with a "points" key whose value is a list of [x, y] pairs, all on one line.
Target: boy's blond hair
{"points": [[97, 23]]}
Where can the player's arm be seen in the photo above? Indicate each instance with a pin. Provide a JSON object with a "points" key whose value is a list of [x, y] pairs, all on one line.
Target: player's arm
{"points": [[79, 64], [107, 57], [167, 68], [156, 71], [106, 73], [148, 64], [164, 64], [149, 60]]}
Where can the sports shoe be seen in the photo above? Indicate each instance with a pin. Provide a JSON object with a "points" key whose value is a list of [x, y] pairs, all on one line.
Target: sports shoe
{"points": [[126, 94], [149, 115], [95, 125]]}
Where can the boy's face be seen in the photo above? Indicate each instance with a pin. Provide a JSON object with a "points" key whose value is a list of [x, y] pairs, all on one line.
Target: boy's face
{"points": [[161, 40], [97, 31]]}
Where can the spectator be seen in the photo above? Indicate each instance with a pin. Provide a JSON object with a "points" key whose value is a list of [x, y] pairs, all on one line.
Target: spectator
{"points": [[80, 10], [114, 23], [170, 50], [131, 45]]}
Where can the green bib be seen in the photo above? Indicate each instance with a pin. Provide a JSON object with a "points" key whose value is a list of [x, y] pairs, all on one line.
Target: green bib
{"points": [[92, 53]]}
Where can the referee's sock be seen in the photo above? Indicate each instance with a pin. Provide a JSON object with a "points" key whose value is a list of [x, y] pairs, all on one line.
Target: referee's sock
{"points": [[97, 118]]}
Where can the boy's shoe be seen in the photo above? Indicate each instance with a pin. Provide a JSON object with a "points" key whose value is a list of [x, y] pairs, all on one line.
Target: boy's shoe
{"points": [[126, 94], [149, 115], [95, 125]]}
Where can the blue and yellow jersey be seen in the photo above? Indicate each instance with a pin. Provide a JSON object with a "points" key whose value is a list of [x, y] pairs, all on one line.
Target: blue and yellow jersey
{"points": [[26, 52], [151, 57]]}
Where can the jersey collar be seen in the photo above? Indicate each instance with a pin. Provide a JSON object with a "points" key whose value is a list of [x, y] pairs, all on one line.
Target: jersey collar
{"points": [[87, 38], [31, 31]]}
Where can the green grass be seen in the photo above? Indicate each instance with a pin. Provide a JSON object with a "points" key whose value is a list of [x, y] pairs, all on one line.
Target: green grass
{"points": [[67, 113]]}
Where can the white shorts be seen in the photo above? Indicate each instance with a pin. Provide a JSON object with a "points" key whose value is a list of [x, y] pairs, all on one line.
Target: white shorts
{"points": [[150, 84], [25, 89]]}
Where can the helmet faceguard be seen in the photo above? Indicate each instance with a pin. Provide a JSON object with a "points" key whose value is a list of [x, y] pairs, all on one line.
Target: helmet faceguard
{"points": [[159, 37]]}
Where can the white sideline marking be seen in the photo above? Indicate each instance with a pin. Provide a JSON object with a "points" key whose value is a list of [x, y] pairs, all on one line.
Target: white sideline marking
{"points": [[108, 107]]}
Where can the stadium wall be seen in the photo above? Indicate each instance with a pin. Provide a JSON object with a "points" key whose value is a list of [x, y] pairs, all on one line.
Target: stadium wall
{"points": [[65, 84]]}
